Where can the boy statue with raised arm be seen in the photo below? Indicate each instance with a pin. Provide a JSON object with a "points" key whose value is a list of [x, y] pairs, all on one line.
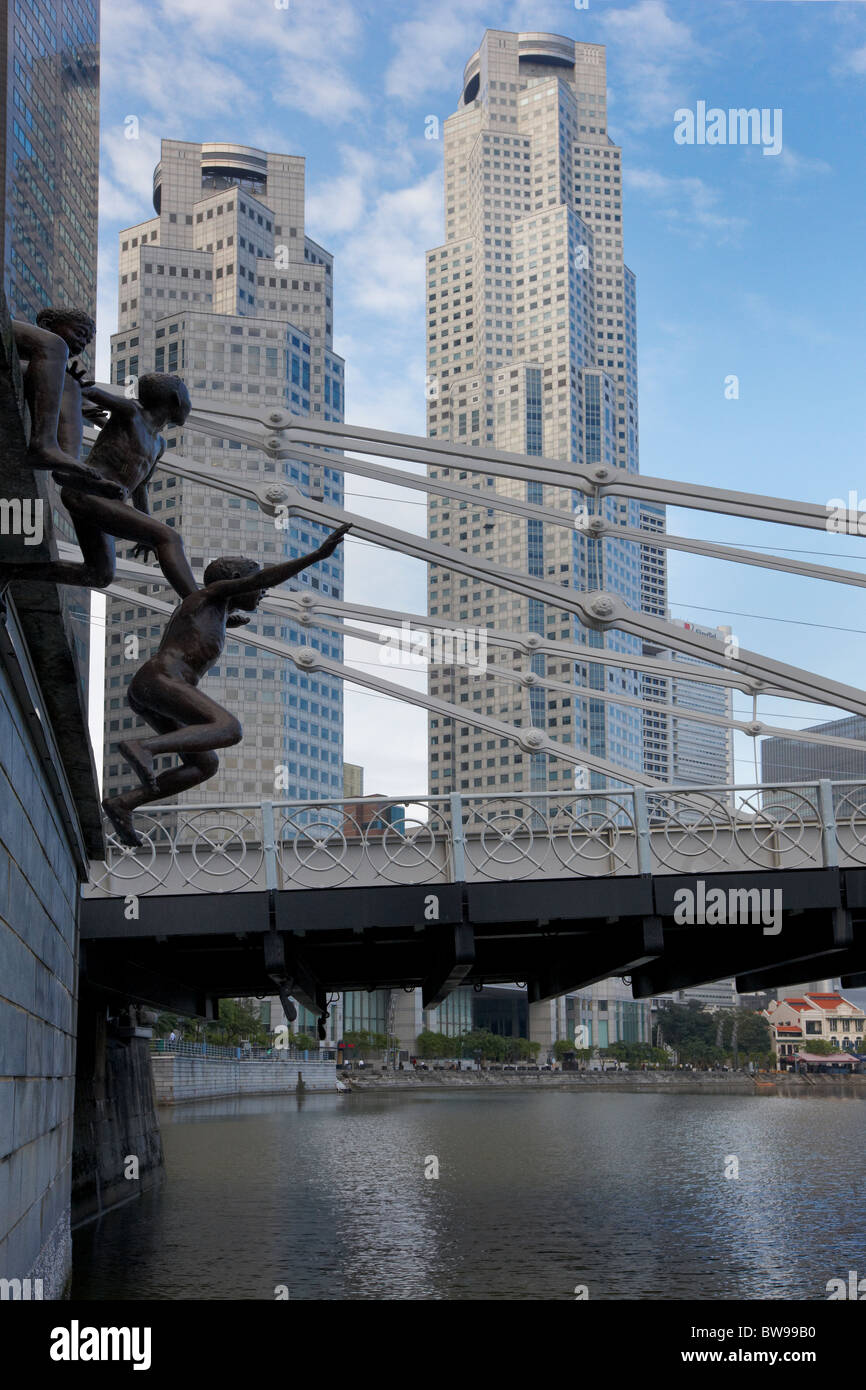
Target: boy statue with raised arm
{"points": [[165, 693]]}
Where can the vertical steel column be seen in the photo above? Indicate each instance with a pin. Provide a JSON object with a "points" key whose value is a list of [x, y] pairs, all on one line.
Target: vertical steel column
{"points": [[642, 831], [458, 839], [269, 845], [829, 842]]}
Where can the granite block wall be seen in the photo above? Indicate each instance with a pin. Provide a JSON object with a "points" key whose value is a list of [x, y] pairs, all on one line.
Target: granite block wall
{"points": [[38, 980]]}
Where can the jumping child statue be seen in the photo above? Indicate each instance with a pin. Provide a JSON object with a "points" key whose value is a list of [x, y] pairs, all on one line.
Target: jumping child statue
{"points": [[165, 693], [120, 465]]}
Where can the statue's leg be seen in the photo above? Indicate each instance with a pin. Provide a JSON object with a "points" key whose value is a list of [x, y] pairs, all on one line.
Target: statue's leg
{"points": [[94, 571], [197, 725], [44, 379], [196, 768], [129, 524]]}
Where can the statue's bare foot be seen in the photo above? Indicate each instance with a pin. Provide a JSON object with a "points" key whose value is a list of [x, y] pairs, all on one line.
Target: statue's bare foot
{"points": [[88, 480], [51, 456], [121, 819], [236, 620], [141, 763]]}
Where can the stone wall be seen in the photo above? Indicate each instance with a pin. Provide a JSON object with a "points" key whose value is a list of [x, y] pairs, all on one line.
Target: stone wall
{"points": [[115, 1116], [38, 952], [49, 826], [199, 1078]]}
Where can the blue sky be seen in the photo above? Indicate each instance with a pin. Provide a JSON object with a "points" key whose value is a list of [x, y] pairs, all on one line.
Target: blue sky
{"points": [[746, 264]]}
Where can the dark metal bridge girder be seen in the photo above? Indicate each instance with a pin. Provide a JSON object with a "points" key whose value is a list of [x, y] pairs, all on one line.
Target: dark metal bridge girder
{"points": [[184, 951]]}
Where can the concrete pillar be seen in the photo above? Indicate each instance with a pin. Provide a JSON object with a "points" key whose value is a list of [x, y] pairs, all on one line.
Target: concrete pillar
{"points": [[115, 1116], [542, 1026], [408, 1021]]}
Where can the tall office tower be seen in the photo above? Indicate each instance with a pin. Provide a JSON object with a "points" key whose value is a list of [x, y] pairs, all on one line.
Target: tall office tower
{"points": [[49, 154], [532, 347], [788, 760], [49, 159], [223, 287], [654, 688], [679, 750]]}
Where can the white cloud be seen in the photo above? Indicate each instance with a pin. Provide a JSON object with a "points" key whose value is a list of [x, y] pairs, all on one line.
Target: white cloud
{"points": [[126, 175], [385, 378], [781, 322], [198, 53], [795, 165], [432, 47], [151, 61], [687, 203], [324, 92], [106, 312], [647, 48], [338, 203], [383, 263], [855, 61]]}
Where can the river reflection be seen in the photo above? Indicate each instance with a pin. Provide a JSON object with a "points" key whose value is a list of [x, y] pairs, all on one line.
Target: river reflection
{"points": [[536, 1194]]}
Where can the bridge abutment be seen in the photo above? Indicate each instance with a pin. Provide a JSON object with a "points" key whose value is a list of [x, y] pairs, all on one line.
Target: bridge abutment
{"points": [[117, 1152]]}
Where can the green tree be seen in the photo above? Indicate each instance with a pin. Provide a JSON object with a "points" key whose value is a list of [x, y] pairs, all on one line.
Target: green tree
{"points": [[820, 1047], [304, 1043], [520, 1049], [430, 1045], [634, 1053], [365, 1043], [490, 1046], [240, 1021], [753, 1033]]}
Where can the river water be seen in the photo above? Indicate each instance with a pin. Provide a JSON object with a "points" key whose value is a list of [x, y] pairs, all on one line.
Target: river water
{"points": [[537, 1194]]}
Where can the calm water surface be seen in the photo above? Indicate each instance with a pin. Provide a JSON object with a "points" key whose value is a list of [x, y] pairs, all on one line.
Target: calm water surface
{"points": [[536, 1194]]}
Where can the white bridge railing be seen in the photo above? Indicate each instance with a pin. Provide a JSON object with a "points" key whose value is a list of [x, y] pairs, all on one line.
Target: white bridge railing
{"points": [[485, 838]]}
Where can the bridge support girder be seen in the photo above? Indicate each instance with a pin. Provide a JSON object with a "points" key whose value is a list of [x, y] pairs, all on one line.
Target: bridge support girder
{"points": [[454, 962], [697, 955], [583, 960]]}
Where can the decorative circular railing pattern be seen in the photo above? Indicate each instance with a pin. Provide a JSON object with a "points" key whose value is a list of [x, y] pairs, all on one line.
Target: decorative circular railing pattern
{"points": [[409, 850], [850, 810], [222, 854], [687, 827], [212, 850], [144, 869], [783, 829], [506, 839], [487, 837], [595, 828], [313, 847], [326, 845]]}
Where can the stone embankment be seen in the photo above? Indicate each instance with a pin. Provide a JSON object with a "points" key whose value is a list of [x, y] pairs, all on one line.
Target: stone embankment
{"points": [[179, 1078], [687, 1083]]}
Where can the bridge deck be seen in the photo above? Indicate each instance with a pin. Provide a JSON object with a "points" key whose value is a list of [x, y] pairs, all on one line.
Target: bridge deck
{"points": [[556, 934]]}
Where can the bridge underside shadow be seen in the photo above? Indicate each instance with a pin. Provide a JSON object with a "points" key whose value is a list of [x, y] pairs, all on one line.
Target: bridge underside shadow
{"points": [[185, 952]]}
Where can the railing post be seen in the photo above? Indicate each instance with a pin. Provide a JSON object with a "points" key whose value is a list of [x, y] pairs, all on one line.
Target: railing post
{"points": [[458, 839], [269, 843], [829, 842], [642, 831]]}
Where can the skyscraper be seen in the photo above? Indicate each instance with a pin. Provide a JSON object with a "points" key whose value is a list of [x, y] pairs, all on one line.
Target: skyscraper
{"points": [[532, 346], [49, 152], [679, 750], [224, 288], [49, 158], [788, 760]]}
